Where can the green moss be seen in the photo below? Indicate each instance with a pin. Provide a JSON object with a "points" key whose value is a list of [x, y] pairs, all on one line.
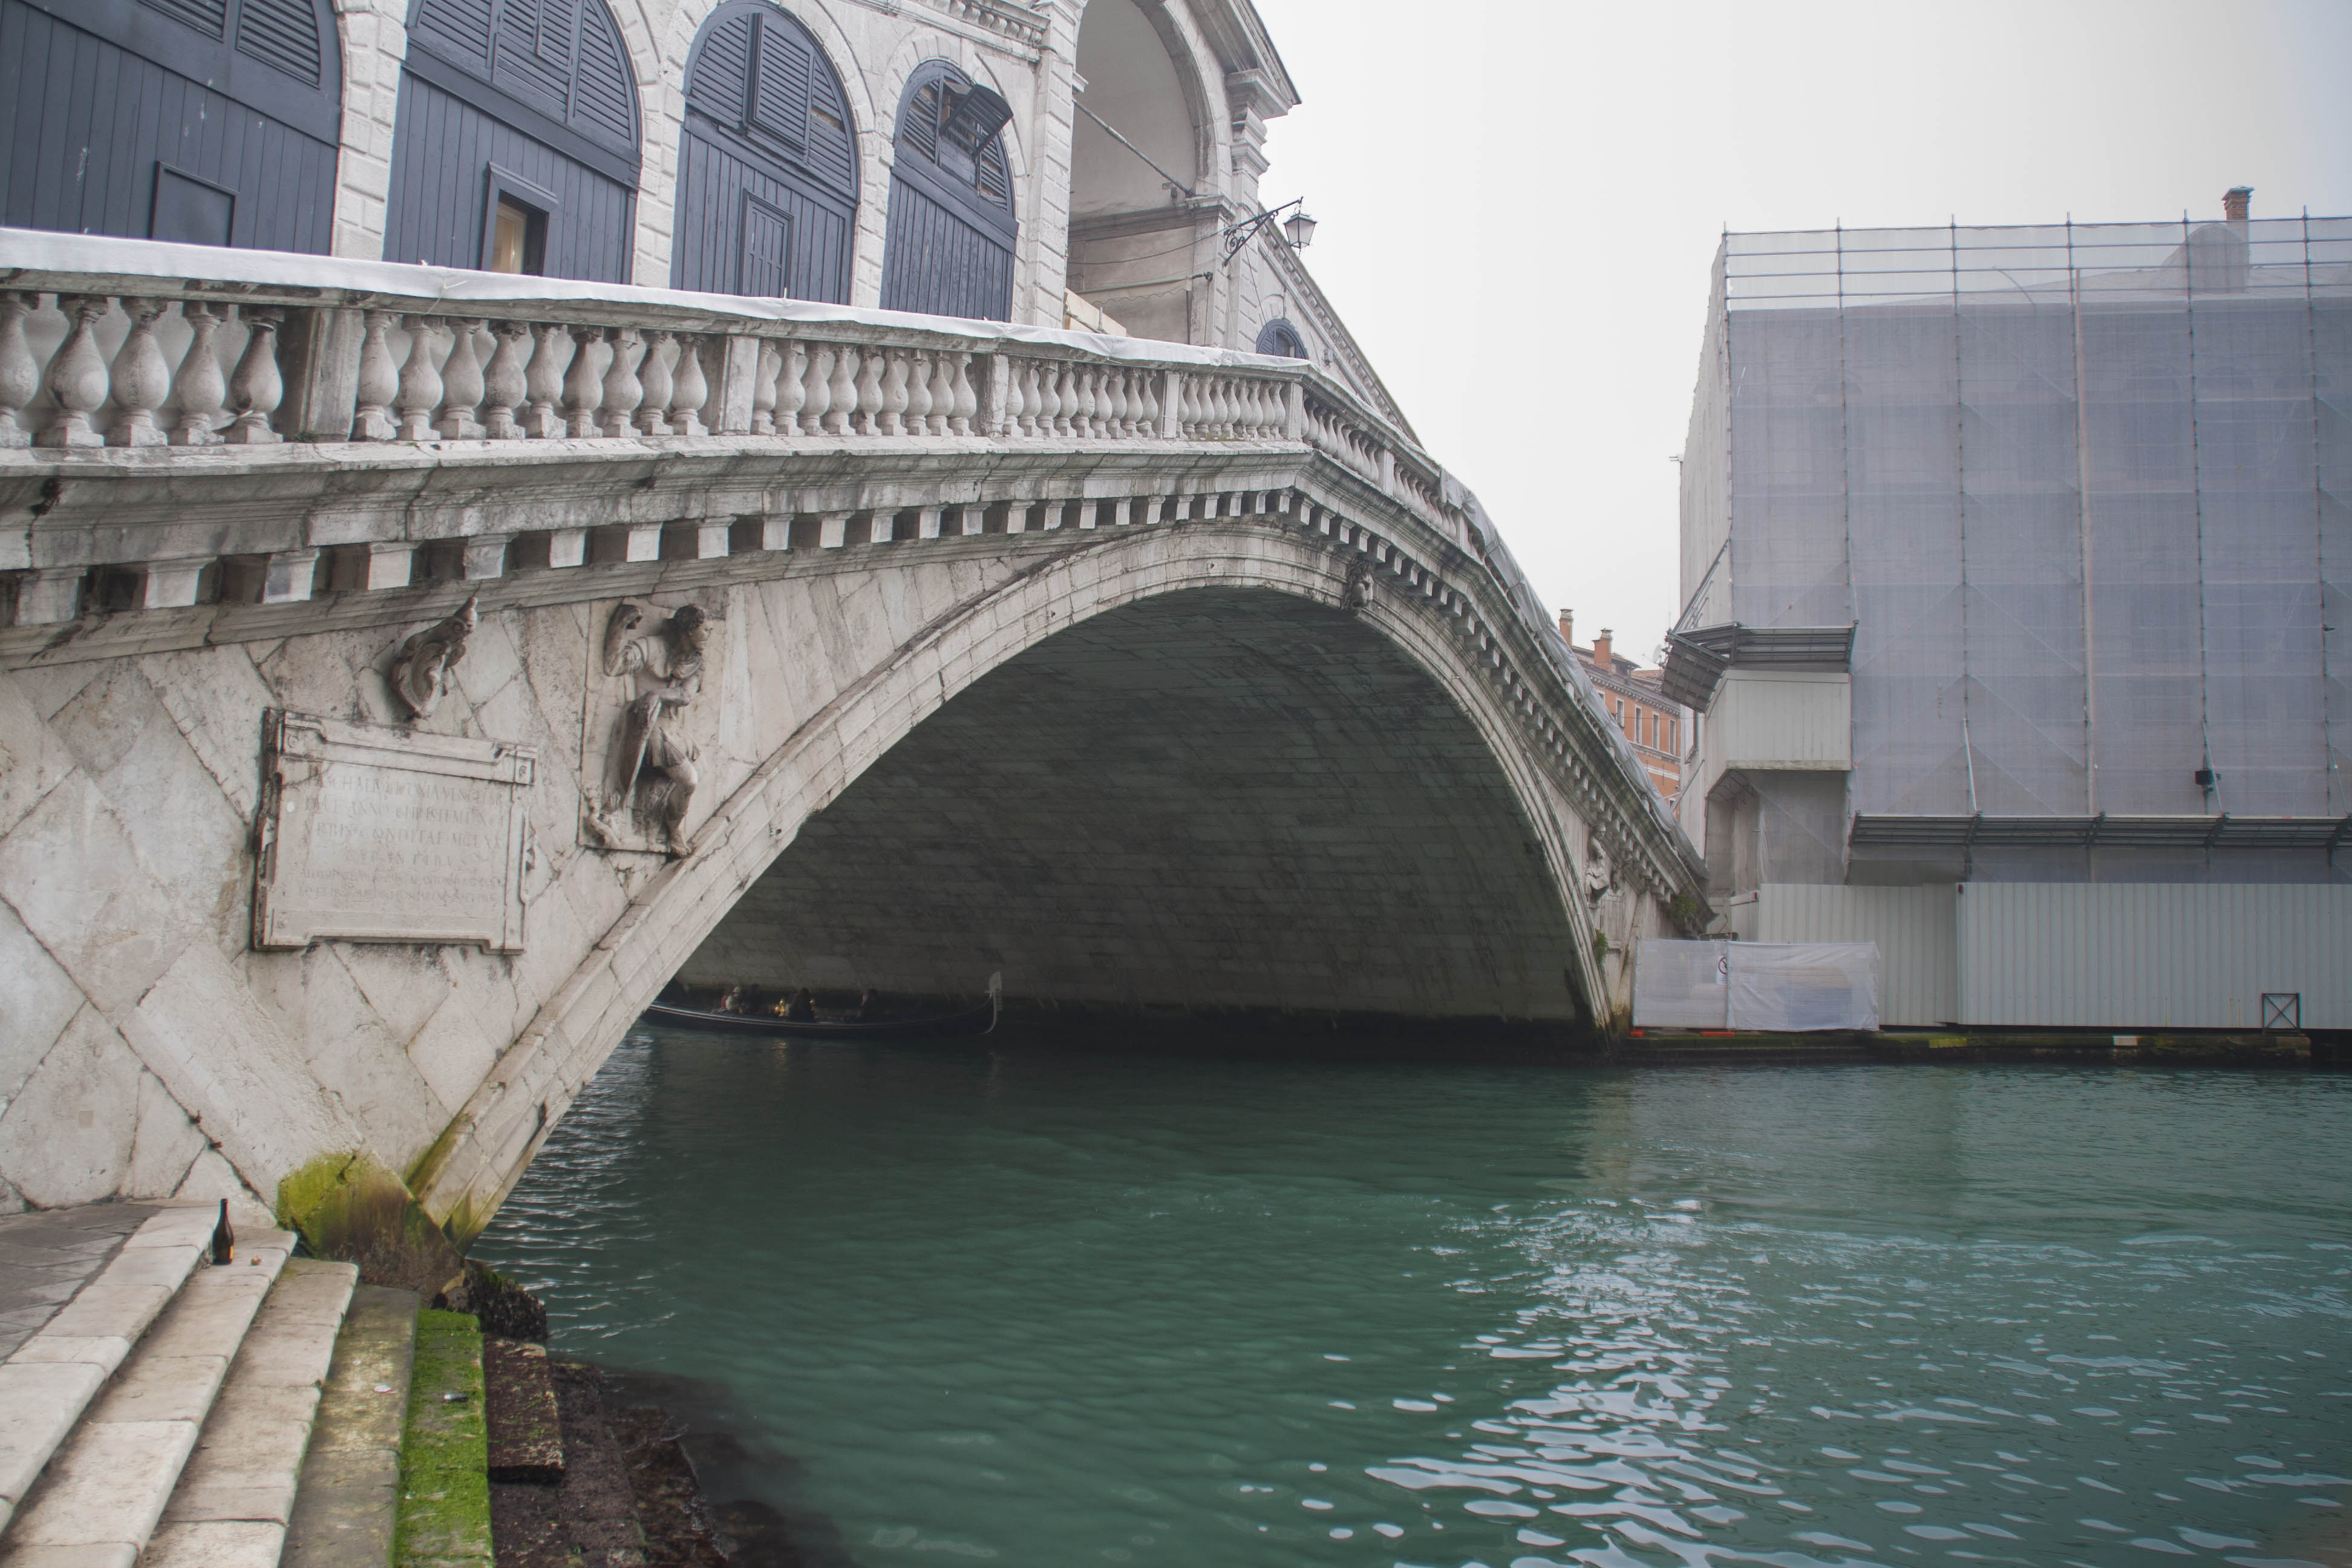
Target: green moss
{"points": [[444, 1454], [351, 1209]]}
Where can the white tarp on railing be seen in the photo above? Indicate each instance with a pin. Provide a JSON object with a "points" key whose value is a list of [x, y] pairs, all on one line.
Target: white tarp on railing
{"points": [[1786, 986]]}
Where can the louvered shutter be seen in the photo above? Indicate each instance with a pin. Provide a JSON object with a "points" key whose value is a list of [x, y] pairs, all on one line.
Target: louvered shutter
{"points": [[461, 28], [920, 127], [281, 33], [209, 17], [720, 85], [601, 105], [553, 40], [780, 100]]}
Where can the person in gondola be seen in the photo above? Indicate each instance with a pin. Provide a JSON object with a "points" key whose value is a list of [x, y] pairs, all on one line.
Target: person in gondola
{"points": [[802, 1009], [869, 1006], [731, 999]]}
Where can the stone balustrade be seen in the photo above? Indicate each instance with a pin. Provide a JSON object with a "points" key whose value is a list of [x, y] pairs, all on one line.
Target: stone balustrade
{"points": [[110, 353], [189, 428]]}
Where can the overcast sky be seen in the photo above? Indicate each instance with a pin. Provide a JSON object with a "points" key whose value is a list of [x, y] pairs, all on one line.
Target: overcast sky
{"points": [[1520, 200]]}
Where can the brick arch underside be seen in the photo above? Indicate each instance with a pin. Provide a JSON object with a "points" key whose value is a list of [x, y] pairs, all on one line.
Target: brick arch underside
{"points": [[1227, 796]]}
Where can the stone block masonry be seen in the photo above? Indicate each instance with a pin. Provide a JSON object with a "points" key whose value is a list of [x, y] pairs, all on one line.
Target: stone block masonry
{"points": [[1310, 743]]}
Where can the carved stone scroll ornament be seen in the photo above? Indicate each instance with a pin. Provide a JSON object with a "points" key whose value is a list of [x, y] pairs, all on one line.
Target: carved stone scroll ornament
{"points": [[420, 675], [650, 774]]}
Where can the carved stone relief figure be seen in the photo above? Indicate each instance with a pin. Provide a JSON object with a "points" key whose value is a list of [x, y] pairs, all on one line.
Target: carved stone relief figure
{"points": [[420, 673], [648, 776]]}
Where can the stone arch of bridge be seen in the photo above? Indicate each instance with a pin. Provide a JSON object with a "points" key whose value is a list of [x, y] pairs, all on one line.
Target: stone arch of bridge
{"points": [[467, 1175]]}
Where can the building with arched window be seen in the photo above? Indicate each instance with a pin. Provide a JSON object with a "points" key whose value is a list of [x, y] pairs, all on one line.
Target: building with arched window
{"points": [[951, 222], [210, 121], [1081, 164], [767, 190]]}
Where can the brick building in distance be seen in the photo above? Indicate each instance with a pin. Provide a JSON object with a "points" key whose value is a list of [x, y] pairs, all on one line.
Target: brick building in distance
{"points": [[1657, 728]]}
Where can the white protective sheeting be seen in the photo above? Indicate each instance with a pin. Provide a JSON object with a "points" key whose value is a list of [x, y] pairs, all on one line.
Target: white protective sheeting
{"points": [[1681, 984], [1773, 986]]}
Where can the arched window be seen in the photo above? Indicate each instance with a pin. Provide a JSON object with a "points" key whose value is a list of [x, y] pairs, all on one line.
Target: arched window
{"points": [[950, 250], [1279, 337], [517, 144], [767, 175], [205, 121]]}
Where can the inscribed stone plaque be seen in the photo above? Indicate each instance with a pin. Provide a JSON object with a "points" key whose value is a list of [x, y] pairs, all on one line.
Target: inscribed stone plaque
{"points": [[377, 835]]}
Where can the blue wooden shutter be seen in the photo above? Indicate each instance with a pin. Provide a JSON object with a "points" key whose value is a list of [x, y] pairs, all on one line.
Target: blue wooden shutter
{"points": [[282, 33], [780, 99]]}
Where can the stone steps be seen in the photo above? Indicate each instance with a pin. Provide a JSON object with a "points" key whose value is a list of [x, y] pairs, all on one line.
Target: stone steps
{"points": [[49, 1381], [235, 1496], [163, 1414]]}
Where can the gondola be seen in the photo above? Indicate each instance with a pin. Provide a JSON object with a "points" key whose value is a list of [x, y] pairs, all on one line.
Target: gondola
{"points": [[979, 1020]]}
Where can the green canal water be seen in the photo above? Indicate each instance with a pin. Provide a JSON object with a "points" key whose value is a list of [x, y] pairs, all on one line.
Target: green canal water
{"points": [[1055, 1310]]}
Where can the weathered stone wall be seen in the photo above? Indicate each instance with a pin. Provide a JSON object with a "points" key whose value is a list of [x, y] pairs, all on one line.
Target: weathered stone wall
{"points": [[150, 1049]]}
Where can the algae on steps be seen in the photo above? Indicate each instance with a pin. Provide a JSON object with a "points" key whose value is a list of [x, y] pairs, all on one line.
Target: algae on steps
{"points": [[445, 1484]]}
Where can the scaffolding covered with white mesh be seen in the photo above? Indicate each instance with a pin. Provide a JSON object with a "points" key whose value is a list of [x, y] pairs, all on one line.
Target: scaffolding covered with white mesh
{"points": [[2082, 495]]}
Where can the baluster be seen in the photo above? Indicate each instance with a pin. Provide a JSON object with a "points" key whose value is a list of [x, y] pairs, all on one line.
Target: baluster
{"points": [[841, 392], [503, 385], [379, 381], [1049, 398], [1252, 409], [140, 378], [653, 385], [1148, 421], [543, 383], [818, 384], [583, 388], [420, 383], [1229, 406], [966, 408], [1130, 404], [1066, 400], [199, 389], [1122, 420], [1188, 410], [623, 390], [765, 370], [791, 386], [869, 388], [942, 394], [76, 376], [255, 387], [20, 377], [1244, 408], [1008, 412], [1088, 423], [692, 388], [919, 393], [462, 385], [892, 419], [1023, 382]]}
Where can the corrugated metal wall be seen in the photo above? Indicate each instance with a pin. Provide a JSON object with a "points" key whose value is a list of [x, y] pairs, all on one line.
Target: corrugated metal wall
{"points": [[1918, 973], [2152, 955]]}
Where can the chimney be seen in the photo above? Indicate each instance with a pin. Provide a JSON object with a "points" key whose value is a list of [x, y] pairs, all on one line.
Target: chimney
{"points": [[1600, 654], [2235, 202], [1567, 627]]}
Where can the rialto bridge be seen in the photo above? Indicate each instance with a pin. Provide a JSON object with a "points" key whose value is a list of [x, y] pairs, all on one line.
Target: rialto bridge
{"points": [[407, 672]]}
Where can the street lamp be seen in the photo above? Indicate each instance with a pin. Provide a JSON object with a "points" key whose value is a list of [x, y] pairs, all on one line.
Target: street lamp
{"points": [[1298, 229]]}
